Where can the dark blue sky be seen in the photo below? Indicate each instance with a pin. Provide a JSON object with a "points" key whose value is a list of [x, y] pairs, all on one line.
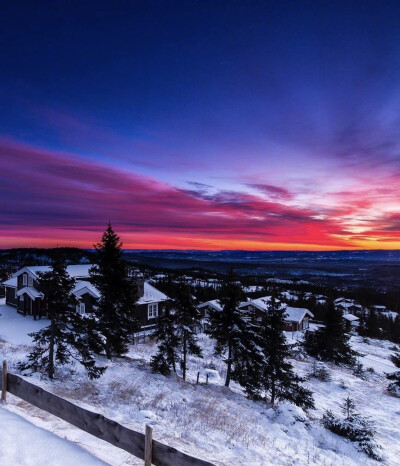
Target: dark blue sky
{"points": [[225, 93]]}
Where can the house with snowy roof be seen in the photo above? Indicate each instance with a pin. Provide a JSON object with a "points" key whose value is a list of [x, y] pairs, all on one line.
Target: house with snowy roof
{"points": [[296, 319], [22, 293], [29, 301]]}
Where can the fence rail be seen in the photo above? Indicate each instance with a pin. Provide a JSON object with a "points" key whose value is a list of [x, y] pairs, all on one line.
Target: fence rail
{"points": [[96, 424]]}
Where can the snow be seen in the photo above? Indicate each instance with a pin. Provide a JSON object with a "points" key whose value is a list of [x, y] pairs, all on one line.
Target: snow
{"points": [[22, 443], [252, 288], [351, 317], [30, 291], [214, 303], [151, 295], [14, 327], [81, 287], [296, 314], [74, 271], [211, 421], [12, 283]]}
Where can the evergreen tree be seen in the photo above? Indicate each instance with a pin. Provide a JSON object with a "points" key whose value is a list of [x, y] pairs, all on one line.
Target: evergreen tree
{"points": [[249, 357], [186, 322], [359, 430], [226, 326], [331, 342], [394, 385], [278, 378], [169, 343], [69, 335], [118, 294]]}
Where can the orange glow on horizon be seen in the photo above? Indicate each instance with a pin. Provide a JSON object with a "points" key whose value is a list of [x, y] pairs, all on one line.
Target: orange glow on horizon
{"points": [[86, 240]]}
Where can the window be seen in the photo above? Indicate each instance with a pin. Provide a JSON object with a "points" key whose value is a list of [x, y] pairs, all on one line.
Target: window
{"points": [[30, 281], [152, 310], [81, 308], [15, 293], [24, 279]]}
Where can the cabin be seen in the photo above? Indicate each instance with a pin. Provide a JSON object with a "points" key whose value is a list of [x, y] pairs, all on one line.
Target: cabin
{"points": [[204, 311], [22, 293], [350, 321], [296, 318], [151, 304], [378, 308], [29, 301]]}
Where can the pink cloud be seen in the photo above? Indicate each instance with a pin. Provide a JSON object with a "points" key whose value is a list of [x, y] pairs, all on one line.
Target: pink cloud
{"points": [[50, 197]]}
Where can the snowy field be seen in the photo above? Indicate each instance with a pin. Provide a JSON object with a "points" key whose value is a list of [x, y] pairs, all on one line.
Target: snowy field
{"points": [[210, 421]]}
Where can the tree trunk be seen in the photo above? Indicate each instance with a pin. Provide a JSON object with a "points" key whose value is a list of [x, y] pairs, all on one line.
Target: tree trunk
{"points": [[173, 362], [229, 368], [50, 367], [273, 391], [184, 356], [108, 349]]}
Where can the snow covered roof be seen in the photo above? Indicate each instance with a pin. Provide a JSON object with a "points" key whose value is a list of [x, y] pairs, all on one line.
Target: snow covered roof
{"points": [[12, 282], [344, 301], [82, 287], [350, 317], [30, 291], [151, 295], [296, 314], [74, 271], [214, 303], [260, 303]]}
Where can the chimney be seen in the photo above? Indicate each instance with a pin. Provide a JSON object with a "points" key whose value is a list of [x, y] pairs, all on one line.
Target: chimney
{"points": [[140, 285]]}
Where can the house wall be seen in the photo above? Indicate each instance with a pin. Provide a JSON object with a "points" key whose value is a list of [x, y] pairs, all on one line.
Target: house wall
{"points": [[20, 282], [11, 299], [142, 314], [89, 301], [27, 306]]}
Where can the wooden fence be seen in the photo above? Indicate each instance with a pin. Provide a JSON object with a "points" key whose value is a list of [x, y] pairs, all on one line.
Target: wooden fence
{"points": [[138, 444]]}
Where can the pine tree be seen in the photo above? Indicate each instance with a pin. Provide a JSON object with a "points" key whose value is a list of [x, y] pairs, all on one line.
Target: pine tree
{"points": [[249, 357], [226, 326], [169, 342], [358, 429], [331, 343], [69, 335], [118, 294], [349, 408], [394, 385], [278, 378], [186, 322]]}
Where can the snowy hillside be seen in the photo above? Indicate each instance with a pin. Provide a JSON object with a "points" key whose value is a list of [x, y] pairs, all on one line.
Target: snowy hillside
{"points": [[210, 421]]}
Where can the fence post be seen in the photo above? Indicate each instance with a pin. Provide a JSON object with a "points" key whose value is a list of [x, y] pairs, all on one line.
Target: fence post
{"points": [[148, 446], [207, 379], [198, 375], [4, 383]]}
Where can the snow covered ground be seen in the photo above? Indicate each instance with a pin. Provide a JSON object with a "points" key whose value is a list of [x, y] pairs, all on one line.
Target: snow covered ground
{"points": [[15, 328], [22, 443], [210, 421]]}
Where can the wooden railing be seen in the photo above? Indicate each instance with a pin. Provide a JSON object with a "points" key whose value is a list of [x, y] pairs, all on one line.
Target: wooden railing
{"points": [[136, 443]]}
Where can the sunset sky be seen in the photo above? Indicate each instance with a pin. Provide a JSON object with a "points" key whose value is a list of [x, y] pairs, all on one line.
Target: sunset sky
{"points": [[201, 124]]}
